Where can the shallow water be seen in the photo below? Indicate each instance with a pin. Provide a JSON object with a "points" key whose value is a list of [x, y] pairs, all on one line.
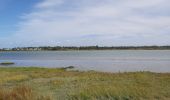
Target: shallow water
{"points": [[107, 60]]}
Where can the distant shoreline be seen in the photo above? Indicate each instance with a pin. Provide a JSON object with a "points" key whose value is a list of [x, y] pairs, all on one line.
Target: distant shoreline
{"points": [[87, 48], [84, 50]]}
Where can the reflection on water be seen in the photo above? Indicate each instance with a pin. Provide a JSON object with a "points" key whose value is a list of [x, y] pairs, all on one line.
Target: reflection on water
{"points": [[109, 61]]}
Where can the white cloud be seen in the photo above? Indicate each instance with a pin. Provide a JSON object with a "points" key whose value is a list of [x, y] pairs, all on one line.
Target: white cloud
{"points": [[92, 22]]}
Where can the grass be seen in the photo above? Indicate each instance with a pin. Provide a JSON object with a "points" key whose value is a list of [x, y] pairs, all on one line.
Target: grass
{"points": [[59, 84], [21, 93]]}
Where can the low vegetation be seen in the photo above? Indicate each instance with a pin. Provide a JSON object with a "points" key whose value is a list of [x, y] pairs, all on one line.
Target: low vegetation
{"points": [[61, 84]]}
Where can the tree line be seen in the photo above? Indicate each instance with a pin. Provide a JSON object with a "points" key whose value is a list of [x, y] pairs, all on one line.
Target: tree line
{"points": [[65, 48]]}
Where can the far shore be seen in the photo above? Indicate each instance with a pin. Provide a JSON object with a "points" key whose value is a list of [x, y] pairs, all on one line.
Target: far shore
{"points": [[81, 48]]}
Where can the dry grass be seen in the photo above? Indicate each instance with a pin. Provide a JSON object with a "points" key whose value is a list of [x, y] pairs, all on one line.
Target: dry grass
{"points": [[20, 93], [59, 84]]}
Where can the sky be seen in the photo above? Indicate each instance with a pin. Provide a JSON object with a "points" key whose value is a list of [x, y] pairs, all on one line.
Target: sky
{"points": [[84, 23]]}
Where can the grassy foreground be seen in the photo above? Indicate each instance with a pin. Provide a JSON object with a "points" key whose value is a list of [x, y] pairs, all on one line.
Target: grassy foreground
{"points": [[59, 84]]}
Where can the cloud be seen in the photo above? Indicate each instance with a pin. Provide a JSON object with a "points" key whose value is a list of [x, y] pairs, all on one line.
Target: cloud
{"points": [[95, 22], [49, 3]]}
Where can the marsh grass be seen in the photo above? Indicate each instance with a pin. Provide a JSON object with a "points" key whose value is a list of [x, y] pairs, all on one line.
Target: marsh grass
{"points": [[60, 84], [21, 93]]}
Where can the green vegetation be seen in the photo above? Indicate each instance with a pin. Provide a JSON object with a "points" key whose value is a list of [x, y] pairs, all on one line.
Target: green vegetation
{"points": [[7, 63], [60, 84]]}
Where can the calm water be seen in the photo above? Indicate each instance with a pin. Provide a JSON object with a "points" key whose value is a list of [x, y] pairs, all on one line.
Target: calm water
{"points": [[107, 61]]}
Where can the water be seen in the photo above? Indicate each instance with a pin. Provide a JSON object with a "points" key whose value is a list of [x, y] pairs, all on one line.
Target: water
{"points": [[106, 61]]}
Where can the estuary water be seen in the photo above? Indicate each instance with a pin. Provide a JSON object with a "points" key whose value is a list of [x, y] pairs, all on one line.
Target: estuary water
{"points": [[105, 61]]}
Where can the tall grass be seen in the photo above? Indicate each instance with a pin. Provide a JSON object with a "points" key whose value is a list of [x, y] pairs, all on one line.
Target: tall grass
{"points": [[21, 93], [59, 84]]}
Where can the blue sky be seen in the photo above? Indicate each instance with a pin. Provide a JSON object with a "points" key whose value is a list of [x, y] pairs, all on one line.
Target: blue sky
{"points": [[84, 22], [11, 10]]}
